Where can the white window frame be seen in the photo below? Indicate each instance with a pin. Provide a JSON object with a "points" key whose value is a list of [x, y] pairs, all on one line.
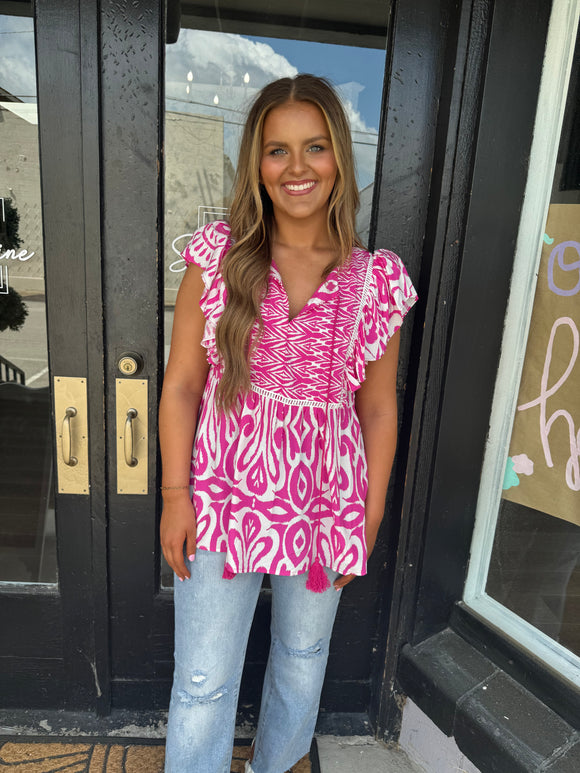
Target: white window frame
{"points": [[547, 128]]}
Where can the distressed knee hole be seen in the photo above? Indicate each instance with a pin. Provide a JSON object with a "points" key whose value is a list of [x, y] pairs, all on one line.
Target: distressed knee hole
{"points": [[192, 700], [198, 679], [315, 650]]}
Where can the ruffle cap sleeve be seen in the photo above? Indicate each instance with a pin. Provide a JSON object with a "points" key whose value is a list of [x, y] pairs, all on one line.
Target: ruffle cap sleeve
{"points": [[389, 297], [206, 249]]}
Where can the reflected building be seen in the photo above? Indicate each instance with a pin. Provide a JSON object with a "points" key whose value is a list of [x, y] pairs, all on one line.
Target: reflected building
{"points": [[198, 173], [20, 182]]}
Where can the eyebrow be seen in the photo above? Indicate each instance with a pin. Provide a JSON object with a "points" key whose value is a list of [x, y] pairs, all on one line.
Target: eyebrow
{"points": [[307, 142]]}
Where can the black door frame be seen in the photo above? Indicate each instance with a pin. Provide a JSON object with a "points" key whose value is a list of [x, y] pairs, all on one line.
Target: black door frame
{"points": [[480, 168], [132, 42], [429, 80]]}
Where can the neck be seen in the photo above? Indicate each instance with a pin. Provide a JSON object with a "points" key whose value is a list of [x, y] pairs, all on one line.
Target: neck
{"points": [[310, 233]]}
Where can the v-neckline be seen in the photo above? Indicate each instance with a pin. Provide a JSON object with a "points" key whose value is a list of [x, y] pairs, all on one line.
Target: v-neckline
{"points": [[315, 294]]}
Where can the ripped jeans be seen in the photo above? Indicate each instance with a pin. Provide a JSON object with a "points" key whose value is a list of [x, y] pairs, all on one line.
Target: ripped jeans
{"points": [[212, 623]]}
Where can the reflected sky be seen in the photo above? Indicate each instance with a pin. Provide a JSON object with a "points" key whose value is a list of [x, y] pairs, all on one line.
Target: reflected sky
{"points": [[17, 60], [213, 73], [225, 71]]}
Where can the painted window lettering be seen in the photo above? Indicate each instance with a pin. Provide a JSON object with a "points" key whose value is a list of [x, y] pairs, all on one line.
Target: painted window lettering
{"points": [[558, 253]]}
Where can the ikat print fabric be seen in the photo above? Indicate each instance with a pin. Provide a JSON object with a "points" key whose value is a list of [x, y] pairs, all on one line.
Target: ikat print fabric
{"points": [[282, 478]]}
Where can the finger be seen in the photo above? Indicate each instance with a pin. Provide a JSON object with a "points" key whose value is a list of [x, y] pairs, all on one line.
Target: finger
{"points": [[177, 563], [190, 545], [342, 581]]}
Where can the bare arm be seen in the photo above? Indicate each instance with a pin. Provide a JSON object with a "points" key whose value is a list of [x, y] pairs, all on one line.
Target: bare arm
{"points": [[376, 407], [183, 387]]}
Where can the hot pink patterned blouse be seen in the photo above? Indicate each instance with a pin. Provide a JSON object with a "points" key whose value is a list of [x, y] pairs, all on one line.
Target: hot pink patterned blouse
{"points": [[282, 479]]}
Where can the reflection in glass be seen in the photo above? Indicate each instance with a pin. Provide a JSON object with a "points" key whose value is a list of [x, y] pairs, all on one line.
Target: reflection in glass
{"points": [[535, 563], [211, 79], [27, 517]]}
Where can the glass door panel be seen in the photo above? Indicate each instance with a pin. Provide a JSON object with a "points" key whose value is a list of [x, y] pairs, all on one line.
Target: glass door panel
{"points": [[48, 655], [211, 79], [27, 509]]}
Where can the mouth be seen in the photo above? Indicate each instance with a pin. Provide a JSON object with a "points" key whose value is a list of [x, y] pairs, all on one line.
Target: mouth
{"points": [[299, 188]]}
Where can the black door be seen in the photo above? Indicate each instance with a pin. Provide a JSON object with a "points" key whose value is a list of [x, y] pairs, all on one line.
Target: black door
{"points": [[130, 161], [53, 584], [219, 61]]}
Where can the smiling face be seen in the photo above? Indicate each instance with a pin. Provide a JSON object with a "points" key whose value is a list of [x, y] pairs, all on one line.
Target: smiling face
{"points": [[298, 166]]}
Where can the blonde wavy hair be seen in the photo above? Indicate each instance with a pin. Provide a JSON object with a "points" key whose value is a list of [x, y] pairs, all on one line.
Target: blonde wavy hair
{"points": [[246, 266]]}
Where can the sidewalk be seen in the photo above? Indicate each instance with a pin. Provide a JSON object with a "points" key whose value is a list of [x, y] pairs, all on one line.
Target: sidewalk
{"points": [[361, 754]]}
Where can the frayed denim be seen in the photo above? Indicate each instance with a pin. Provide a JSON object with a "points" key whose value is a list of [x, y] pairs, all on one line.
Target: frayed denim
{"points": [[213, 617]]}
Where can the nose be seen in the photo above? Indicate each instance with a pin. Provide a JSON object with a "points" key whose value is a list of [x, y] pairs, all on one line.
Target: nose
{"points": [[296, 163]]}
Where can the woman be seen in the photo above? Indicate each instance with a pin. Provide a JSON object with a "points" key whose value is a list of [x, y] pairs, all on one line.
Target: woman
{"points": [[280, 370]]}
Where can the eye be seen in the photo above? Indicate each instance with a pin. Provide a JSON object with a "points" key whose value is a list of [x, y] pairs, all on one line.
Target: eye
{"points": [[276, 152], [315, 148]]}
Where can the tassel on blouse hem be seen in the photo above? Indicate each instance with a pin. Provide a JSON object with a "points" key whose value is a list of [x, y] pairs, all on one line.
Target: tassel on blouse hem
{"points": [[317, 581]]}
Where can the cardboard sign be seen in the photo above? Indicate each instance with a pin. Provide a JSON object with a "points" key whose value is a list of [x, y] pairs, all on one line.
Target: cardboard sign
{"points": [[543, 467]]}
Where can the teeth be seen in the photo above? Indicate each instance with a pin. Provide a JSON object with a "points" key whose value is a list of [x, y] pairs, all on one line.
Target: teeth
{"points": [[301, 187]]}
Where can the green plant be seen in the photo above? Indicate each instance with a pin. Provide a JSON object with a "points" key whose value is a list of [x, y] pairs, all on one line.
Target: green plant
{"points": [[13, 311]]}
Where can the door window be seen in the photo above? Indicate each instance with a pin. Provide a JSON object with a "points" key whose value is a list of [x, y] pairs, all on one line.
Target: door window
{"points": [[27, 510], [211, 79]]}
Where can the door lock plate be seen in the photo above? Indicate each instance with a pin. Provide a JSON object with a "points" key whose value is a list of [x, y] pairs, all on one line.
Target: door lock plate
{"points": [[132, 435]]}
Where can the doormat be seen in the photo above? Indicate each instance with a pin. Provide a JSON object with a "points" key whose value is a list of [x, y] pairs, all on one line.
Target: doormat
{"points": [[78, 757]]}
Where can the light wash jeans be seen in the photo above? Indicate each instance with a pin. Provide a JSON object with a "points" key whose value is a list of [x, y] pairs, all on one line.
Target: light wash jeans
{"points": [[212, 623]]}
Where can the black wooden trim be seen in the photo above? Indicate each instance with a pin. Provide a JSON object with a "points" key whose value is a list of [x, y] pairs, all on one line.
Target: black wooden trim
{"points": [[452, 171], [282, 20], [343, 723], [17, 7], [494, 720], [108, 740], [91, 151], [438, 672], [342, 691], [133, 694], [172, 20], [71, 726], [59, 104], [132, 44], [21, 613], [426, 74], [161, 596], [445, 470], [32, 682], [547, 685], [245, 21], [517, 43]]}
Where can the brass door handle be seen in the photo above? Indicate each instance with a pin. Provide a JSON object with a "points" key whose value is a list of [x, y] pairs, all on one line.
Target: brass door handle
{"points": [[130, 460], [71, 434], [131, 414], [67, 456]]}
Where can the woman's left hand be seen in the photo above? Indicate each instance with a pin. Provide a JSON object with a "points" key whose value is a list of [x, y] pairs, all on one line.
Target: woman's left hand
{"points": [[371, 537], [343, 580]]}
